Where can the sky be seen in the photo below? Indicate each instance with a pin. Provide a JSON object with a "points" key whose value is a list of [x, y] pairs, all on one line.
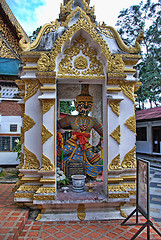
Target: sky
{"points": [[34, 13]]}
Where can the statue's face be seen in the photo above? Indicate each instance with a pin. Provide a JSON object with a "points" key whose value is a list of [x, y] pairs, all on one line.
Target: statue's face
{"points": [[83, 107]]}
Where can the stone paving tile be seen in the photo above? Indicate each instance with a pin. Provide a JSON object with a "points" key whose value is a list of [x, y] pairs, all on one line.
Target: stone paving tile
{"points": [[12, 218], [87, 230]]}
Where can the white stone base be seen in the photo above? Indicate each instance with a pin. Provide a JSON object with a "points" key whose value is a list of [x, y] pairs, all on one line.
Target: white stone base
{"points": [[109, 214]]}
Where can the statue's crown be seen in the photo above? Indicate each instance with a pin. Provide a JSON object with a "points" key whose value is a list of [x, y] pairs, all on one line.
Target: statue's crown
{"points": [[84, 96]]}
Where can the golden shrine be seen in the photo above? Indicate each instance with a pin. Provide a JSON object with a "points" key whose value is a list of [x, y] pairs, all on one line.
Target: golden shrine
{"points": [[69, 52]]}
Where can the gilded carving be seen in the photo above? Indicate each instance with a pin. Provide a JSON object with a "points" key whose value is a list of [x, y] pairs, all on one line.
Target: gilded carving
{"points": [[118, 65], [28, 122], [130, 159], [23, 195], [81, 212], [31, 161], [9, 37], [116, 134], [31, 88], [123, 46], [47, 104], [27, 188], [119, 195], [115, 106], [129, 185], [5, 51], [131, 123], [80, 62], [115, 164], [46, 190], [22, 136], [43, 62], [80, 24], [39, 216], [44, 197], [116, 188], [46, 164], [46, 134], [128, 90]]}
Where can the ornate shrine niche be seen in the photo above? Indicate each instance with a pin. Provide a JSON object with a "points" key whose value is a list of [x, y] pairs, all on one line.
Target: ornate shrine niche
{"points": [[81, 58]]}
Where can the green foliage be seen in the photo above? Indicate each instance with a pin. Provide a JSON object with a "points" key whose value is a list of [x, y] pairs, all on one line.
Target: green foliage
{"points": [[131, 21], [66, 107], [35, 33], [17, 148]]}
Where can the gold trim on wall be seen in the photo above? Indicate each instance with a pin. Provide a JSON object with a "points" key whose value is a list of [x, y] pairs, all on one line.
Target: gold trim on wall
{"points": [[31, 161], [47, 104], [131, 123], [115, 106], [46, 134], [115, 164], [28, 123], [130, 159], [32, 85], [116, 134], [46, 164]]}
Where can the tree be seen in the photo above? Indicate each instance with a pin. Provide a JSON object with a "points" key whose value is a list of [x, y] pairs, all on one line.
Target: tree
{"points": [[66, 107], [35, 33], [131, 21]]}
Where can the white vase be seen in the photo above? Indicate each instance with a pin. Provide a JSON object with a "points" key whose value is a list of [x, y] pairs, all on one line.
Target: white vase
{"points": [[78, 182]]}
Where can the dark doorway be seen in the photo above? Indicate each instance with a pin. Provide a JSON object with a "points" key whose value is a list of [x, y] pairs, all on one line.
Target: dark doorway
{"points": [[156, 139]]}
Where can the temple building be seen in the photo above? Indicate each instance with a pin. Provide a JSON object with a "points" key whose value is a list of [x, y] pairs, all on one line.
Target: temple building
{"points": [[76, 58]]}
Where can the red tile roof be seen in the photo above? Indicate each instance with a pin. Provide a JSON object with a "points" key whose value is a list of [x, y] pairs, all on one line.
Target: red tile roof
{"points": [[10, 108], [147, 114]]}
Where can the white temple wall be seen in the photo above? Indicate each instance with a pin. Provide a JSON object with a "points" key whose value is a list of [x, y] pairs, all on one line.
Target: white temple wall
{"points": [[33, 136]]}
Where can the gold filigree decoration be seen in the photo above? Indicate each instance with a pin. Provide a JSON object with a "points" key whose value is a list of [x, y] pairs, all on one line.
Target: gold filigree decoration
{"points": [[130, 159], [44, 197], [123, 46], [84, 25], [46, 134], [31, 161], [118, 65], [47, 104], [115, 164], [31, 88], [128, 90], [119, 195], [115, 106], [46, 190], [116, 134], [9, 38], [116, 188], [81, 212], [65, 10], [80, 45], [5, 51], [46, 164], [123, 214], [39, 216], [28, 188], [129, 185], [131, 123], [80, 62], [23, 195], [43, 62], [22, 136], [28, 122]]}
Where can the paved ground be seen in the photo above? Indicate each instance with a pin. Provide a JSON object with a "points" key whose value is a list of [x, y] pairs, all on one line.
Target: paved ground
{"points": [[15, 224], [155, 194]]}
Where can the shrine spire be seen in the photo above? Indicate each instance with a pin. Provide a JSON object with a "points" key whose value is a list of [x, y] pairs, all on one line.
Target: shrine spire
{"points": [[76, 1]]}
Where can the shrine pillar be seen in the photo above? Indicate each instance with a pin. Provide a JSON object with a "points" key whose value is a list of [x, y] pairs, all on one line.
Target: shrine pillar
{"points": [[46, 193], [30, 135]]}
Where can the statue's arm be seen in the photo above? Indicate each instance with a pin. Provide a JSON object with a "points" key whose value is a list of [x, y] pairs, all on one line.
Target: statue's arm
{"points": [[65, 123]]}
